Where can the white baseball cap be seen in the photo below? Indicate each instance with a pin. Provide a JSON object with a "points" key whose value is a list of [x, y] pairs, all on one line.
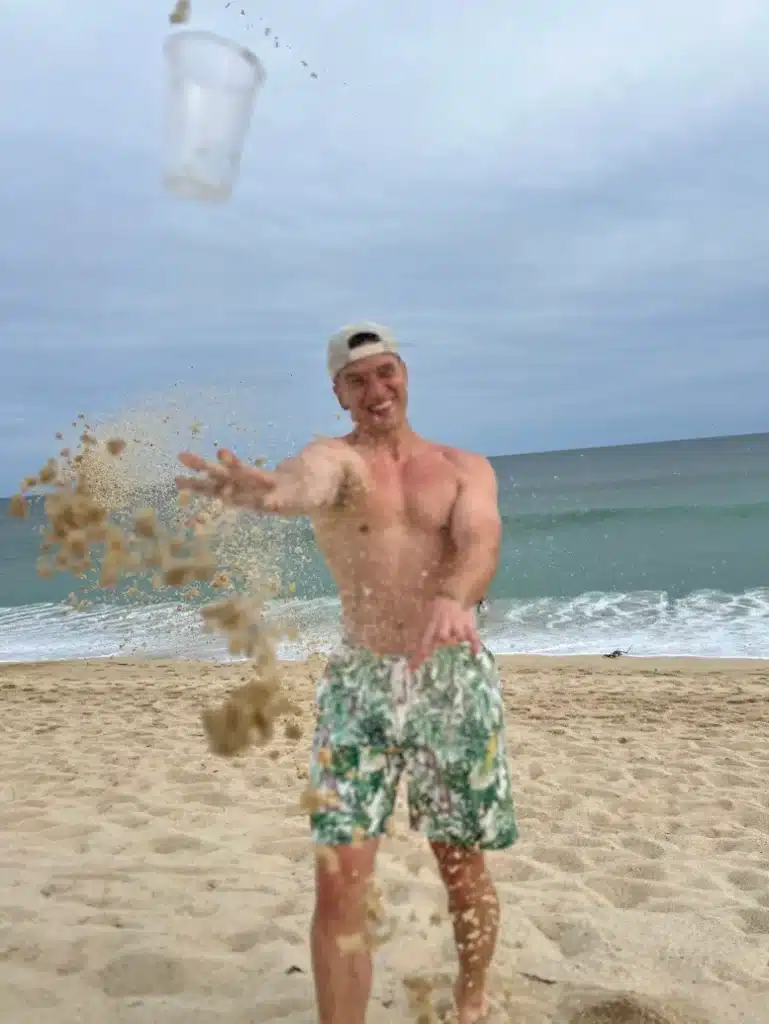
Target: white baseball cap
{"points": [[356, 341]]}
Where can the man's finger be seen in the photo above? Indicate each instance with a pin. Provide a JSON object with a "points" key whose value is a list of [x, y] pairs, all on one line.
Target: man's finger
{"points": [[444, 633], [419, 656], [191, 483], [429, 636], [417, 660], [192, 461], [253, 476], [228, 458], [425, 647], [475, 641], [201, 465], [258, 477]]}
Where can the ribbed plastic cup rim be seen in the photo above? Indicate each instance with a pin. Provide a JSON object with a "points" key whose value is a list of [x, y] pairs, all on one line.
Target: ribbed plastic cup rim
{"points": [[204, 35]]}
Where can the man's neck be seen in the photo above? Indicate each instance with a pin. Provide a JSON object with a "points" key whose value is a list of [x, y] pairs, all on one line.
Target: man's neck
{"points": [[398, 443]]}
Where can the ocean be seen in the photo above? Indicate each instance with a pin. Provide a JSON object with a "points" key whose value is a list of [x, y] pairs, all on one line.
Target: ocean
{"points": [[654, 549]]}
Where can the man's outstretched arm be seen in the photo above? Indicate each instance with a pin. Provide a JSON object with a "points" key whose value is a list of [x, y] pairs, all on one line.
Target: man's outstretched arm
{"points": [[305, 484]]}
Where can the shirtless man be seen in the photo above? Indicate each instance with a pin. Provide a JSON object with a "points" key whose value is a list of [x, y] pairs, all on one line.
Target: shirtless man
{"points": [[410, 530]]}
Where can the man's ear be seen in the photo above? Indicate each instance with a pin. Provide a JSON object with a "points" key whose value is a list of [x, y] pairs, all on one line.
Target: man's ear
{"points": [[335, 389]]}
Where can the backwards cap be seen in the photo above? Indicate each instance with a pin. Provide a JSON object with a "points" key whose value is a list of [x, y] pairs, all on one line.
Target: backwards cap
{"points": [[357, 341]]}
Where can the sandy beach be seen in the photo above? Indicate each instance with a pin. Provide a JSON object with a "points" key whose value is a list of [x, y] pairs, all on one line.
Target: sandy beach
{"points": [[144, 880]]}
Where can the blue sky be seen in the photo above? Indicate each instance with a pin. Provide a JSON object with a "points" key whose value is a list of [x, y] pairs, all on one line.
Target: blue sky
{"points": [[562, 210]]}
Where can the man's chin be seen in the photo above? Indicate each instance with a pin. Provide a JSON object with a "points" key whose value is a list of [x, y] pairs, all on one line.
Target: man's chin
{"points": [[382, 424], [378, 424]]}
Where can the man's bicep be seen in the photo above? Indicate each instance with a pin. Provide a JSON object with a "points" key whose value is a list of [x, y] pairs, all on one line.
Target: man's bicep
{"points": [[476, 511]]}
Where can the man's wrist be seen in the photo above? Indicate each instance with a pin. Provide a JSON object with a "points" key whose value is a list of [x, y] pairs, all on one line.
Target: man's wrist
{"points": [[450, 595]]}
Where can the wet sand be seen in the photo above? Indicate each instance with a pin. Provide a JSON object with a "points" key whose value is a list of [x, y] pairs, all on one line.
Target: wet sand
{"points": [[145, 880]]}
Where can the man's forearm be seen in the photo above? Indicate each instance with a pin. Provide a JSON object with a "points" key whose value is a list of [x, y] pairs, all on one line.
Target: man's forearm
{"points": [[473, 569]]}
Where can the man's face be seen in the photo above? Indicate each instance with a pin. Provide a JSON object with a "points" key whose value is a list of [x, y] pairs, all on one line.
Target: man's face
{"points": [[375, 392]]}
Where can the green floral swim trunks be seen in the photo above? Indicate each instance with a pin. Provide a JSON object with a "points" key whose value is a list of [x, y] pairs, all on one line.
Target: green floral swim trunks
{"points": [[441, 723]]}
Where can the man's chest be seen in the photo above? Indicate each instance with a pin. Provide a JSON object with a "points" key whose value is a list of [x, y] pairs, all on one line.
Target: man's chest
{"points": [[418, 494]]}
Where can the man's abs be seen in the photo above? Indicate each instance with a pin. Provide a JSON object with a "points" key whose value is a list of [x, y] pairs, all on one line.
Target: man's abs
{"points": [[385, 582]]}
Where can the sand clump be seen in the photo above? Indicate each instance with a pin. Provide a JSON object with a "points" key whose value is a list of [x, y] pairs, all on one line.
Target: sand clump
{"points": [[378, 926], [81, 533], [180, 15], [419, 997], [247, 717]]}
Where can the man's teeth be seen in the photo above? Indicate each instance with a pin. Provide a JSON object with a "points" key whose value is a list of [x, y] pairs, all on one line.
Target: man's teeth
{"points": [[382, 407]]}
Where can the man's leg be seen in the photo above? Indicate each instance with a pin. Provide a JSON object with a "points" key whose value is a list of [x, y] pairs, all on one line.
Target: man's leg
{"points": [[352, 763], [460, 783], [341, 962], [474, 910]]}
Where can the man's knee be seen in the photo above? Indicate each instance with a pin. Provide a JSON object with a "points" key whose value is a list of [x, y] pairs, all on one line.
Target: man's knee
{"points": [[341, 876]]}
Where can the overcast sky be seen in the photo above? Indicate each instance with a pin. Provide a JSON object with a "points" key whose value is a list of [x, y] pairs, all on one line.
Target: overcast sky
{"points": [[562, 208]]}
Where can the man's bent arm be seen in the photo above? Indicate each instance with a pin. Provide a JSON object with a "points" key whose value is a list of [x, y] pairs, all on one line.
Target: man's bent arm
{"points": [[476, 533], [313, 480]]}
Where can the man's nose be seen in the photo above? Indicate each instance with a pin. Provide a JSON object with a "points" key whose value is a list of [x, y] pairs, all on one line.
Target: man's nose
{"points": [[378, 390]]}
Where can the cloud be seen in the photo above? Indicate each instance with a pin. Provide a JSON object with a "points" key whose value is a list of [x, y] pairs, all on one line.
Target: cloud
{"points": [[562, 209]]}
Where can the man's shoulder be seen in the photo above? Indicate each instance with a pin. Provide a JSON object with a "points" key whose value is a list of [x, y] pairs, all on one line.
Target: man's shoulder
{"points": [[322, 441], [343, 459], [334, 447], [470, 464]]}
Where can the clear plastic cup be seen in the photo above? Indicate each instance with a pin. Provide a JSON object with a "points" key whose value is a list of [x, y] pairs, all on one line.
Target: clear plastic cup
{"points": [[212, 84]]}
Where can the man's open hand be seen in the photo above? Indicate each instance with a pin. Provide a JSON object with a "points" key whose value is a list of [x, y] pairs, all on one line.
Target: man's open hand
{"points": [[232, 481], [448, 624]]}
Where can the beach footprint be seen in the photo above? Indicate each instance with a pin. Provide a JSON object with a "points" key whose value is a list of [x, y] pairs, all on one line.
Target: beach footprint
{"points": [[143, 974], [176, 843], [632, 1009]]}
